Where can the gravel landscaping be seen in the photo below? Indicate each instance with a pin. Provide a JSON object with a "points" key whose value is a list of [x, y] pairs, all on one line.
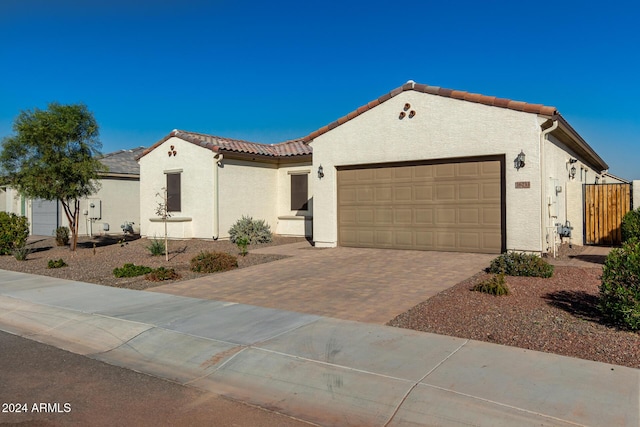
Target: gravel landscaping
{"points": [[555, 315], [95, 259]]}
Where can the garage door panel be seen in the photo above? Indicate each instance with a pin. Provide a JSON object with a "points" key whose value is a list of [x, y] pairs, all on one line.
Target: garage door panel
{"points": [[423, 193], [384, 216], [347, 195], [491, 191], [403, 238], [403, 216], [364, 194], [365, 217], [423, 216], [424, 239], [445, 171], [384, 238], [469, 216], [446, 240], [383, 194], [468, 169], [448, 207], [446, 216], [469, 241], [423, 171], [403, 193], [469, 192], [490, 169], [491, 216], [445, 192]]}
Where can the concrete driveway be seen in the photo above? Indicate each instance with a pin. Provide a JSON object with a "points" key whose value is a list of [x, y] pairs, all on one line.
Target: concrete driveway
{"points": [[364, 285]]}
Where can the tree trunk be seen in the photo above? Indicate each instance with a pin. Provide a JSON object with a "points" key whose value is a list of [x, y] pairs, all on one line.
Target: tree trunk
{"points": [[72, 218]]}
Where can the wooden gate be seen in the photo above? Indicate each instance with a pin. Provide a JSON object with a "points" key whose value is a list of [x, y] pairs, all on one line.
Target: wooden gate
{"points": [[604, 207]]}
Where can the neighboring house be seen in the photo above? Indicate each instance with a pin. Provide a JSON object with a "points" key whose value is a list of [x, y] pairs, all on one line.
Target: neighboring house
{"points": [[419, 168], [608, 178], [116, 202], [212, 182]]}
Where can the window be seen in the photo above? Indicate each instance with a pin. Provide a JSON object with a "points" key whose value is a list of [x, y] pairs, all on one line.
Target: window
{"points": [[173, 192], [299, 192]]}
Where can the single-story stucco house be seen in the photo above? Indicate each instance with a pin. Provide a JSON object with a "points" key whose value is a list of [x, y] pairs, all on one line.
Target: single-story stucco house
{"points": [[421, 167], [116, 202]]}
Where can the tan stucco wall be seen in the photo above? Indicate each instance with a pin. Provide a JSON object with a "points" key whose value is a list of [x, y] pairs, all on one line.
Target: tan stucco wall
{"points": [[120, 202], [246, 188], [442, 128], [568, 205], [249, 189], [636, 194], [196, 164], [10, 201]]}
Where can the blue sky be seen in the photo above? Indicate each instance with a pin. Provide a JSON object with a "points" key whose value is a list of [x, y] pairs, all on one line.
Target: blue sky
{"points": [[272, 71]]}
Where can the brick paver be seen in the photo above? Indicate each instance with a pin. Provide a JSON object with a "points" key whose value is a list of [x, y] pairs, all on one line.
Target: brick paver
{"points": [[366, 285]]}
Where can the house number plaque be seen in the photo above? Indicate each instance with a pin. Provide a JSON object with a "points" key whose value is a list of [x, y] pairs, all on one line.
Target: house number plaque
{"points": [[523, 184]]}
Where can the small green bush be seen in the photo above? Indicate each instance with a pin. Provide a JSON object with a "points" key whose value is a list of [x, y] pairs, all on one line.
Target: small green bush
{"points": [[631, 225], [21, 253], [255, 231], [57, 263], [161, 274], [131, 270], [242, 243], [519, 264], [62, 236], [620, 288], [156, 247], [494, 286], [14, 231], [210, 262]]}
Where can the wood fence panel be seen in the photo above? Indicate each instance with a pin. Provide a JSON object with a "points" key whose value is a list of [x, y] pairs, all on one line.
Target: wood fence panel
{"points": [[605, 206]]}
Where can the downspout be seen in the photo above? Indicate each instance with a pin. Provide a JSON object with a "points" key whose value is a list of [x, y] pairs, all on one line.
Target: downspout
{"points": [[543, 185], [216, 200]]}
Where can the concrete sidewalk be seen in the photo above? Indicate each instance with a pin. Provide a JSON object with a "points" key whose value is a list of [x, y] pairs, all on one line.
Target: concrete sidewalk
{"points": [[323, 370]]}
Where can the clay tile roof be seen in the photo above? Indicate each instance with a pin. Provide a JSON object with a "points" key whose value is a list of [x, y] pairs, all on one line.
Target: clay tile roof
{"points": [[439, 91], [220, 144]]}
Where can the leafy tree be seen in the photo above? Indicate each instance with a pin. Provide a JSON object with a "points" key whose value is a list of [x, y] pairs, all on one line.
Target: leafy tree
{"points": [[53, 156]]}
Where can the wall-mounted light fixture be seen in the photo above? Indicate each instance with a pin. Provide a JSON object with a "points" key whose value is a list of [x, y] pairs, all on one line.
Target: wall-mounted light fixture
{"points": [[572, 172], [519, 160], [320, 172]]}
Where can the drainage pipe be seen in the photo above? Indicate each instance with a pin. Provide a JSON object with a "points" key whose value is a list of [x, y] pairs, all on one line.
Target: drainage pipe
{"points": [[216, 199], [543, 184]]}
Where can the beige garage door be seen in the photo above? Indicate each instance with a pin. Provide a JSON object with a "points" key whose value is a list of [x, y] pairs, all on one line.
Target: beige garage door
{"points": [[442, 207]]}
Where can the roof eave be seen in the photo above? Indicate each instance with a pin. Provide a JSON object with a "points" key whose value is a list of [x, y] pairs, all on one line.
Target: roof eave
{"points": [[579, 143]]}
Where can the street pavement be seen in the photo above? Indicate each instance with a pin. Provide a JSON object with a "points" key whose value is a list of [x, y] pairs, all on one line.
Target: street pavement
{"points": [[46, 386], [323, 370]]}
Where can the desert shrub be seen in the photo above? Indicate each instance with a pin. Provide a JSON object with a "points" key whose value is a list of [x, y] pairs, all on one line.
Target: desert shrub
{"points": [[620, 288], [156, 247], [495, 285], [161, 274], [14, 231], [131, 270], [631, 225], [519, 264], [62, 236], [20, 253], [255, 231], [56, 263], [210, 262], [242, 244]]}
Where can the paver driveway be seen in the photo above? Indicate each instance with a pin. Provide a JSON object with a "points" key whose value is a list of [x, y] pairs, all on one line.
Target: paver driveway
{"points": [[365, 285]]}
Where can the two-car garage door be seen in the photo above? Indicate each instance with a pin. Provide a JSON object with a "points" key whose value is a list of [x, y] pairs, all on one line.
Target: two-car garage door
{"points": [[454, 206]]}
